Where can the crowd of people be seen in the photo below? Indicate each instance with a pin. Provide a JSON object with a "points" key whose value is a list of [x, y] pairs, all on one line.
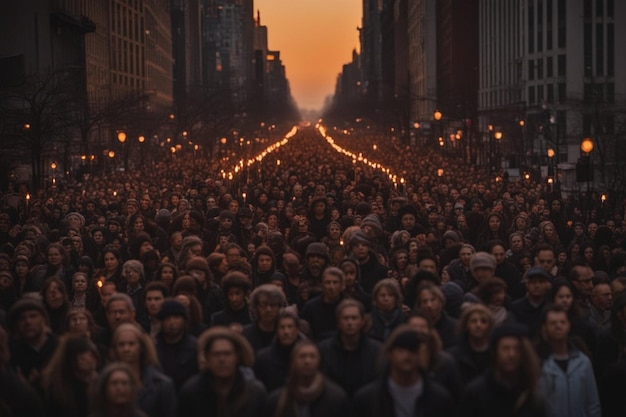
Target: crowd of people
{"points": [[310, 285]]}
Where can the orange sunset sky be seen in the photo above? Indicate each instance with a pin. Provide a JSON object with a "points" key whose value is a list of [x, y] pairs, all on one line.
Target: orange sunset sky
{"points": [[315, 38]]}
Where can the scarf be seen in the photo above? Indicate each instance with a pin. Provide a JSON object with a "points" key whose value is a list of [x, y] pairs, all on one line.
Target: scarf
{"points": [[294, 396]]}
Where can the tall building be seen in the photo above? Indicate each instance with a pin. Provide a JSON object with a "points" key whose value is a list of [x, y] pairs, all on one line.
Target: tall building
{"points": [[186, 49], [552, 64], [371, 54], [422, 36]]}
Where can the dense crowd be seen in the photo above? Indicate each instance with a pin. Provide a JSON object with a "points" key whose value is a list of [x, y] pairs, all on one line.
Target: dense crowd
{"points": [[310, 285]]}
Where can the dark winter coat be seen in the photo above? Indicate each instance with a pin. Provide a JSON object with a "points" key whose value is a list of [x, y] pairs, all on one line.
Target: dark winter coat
{"points": [[375, 400], [332, 403], [351, 369], [197, 399]]}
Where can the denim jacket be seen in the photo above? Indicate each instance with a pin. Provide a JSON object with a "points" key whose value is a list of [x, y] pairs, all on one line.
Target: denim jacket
{"points": [[573, 393]]}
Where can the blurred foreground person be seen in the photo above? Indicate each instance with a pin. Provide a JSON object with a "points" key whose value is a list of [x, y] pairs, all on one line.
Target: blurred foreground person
{"points": [[405, 390], [509, 387], [67, 380], [307, 392], [222, 388], [16, 396], [116, 393]]}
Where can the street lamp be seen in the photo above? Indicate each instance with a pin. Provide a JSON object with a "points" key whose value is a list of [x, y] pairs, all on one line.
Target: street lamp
{"points": [[53, 165], [586, 145], [121, 137]]}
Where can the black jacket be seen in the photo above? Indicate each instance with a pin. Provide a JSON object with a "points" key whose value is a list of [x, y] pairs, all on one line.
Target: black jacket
{"points": [[486, 397], [179, 361], [375, 400], [351, 369], [227, 316], [272, 365], [446, 327], [321, 317], [527, 314], [157, 397], [197, 399], [371, 272], [332, 403]]}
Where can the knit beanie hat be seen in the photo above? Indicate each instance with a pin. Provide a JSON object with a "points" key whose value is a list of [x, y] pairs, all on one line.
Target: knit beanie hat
{"points": [[483, 260]]}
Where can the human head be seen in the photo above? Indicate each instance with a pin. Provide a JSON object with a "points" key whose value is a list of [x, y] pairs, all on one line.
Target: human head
{"points": [[221, 351], [119, 309], [265, 302]]}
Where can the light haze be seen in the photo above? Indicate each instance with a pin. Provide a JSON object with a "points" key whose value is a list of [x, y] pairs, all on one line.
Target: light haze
{"points": [[315, 38]]}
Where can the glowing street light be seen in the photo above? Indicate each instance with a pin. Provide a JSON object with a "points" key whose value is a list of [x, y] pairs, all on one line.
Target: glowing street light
{"points": [[121, 137], [437, 115], [586, 145]]}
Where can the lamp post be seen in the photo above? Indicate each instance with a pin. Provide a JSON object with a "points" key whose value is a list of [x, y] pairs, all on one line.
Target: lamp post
{"points": [[437, 117], [496, 139], [585, 163], [552, 174], [53, 165], [121, 138]]}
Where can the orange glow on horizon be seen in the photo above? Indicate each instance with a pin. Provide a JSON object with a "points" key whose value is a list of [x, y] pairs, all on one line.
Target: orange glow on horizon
{"points": [[315, 39]]}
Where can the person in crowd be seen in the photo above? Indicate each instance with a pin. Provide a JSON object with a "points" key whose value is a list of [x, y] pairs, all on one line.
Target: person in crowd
{"points": [[34, 344], [370, 269], [527, 310], [472, 354], [353, 288], [272, 363], [600, 304], [17, 397], [307, 391], [111, 263], [176, 349], [154, 295], [222, 388], [56, 300], [350, 357], [167, 274], [116, 392], [430, 300], [265, 304], [119, 309], [582, 332], [439, 364], [506, 271], [511, 384], [236, 288], [156, 395], [567, 376], [581, 276], [320, 311], [68, 378], [209, 293], [133, 284], [404, 389], [263, 266], [387, 312]]}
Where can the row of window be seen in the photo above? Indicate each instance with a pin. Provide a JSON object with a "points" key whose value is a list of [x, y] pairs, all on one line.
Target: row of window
{"points": [[538, 71]]}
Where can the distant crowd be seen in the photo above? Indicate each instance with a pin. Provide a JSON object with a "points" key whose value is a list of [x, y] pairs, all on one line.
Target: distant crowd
{"points": [[310, 286]]}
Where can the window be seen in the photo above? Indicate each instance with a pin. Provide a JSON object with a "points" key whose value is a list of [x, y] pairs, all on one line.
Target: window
{"points": [[531, 27], [562, 93], [531, 95], [561, 25], [600, 8], [540, 93], [540, 68], [550, 93], [561, 65], [531, 70], [599, 48], [587, 50], [610, 50], [549, 67]]}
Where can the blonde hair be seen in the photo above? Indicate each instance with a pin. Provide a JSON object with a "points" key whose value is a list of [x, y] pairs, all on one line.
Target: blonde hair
{"points": [[148, 352]]}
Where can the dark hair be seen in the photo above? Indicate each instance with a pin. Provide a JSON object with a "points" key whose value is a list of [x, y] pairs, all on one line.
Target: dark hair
{"points": [[156, 286], [236, 279]]}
